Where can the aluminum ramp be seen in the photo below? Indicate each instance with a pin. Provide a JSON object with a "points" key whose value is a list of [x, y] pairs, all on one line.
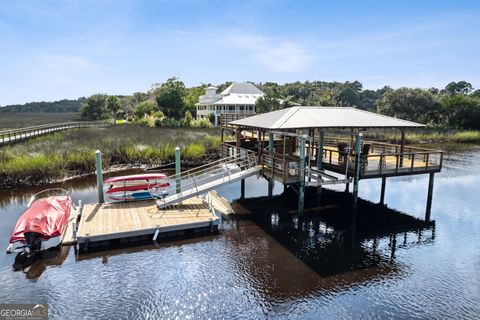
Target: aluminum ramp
{"points": [[205, 187], [237, 164]]}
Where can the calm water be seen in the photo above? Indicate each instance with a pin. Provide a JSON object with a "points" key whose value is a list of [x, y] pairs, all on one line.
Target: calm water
{"points": [[276, 266]]}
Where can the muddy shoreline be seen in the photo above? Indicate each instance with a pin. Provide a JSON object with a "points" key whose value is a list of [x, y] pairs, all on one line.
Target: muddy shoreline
{"points": [[186, 164]]}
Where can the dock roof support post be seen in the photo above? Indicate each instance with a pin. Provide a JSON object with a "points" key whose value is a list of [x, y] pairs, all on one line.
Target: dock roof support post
{"points": [[98, 165], [301, 189], [382, 192], [270, 142], [358, 142], [238, 132], [242, 189], [178, 170], [270, 153], [259, 146], [429, 197], [320, 151], [402, 146]]}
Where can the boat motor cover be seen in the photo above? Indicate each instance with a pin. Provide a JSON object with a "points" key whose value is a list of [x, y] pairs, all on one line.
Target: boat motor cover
{"points": [[47, 217]]}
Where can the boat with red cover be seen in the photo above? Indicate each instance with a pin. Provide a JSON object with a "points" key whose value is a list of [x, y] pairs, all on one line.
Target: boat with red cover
{"points": [[43, 224]]}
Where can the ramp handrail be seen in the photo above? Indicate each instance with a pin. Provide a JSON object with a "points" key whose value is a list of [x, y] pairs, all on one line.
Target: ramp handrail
{"points": [[238, 160]]}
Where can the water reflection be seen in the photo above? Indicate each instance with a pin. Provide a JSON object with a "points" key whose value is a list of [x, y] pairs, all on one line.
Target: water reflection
{"points": [[333, 239], [33, 266]]}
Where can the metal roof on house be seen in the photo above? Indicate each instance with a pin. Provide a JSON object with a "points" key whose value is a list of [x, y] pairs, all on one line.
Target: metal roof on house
{"points": [[241, 88], [323, 117]]}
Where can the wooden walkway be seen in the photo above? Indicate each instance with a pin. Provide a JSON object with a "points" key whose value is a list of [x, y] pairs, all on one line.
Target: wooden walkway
{"points": [[22, 134], [109, 221]]}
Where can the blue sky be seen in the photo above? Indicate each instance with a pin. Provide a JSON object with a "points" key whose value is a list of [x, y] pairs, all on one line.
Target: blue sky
{"points": [[51, 50]]}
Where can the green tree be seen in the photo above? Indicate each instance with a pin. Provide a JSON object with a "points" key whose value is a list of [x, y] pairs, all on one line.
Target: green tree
{"points": [[461, 87], [267, 103], [462, 112], [411, 104], [287, 102], [170, 98], [476, 93], [191, 98], [113, 106], [325, 98], [187, 119], [347, 97], [94, 108], [367, 99], [145, 108]]}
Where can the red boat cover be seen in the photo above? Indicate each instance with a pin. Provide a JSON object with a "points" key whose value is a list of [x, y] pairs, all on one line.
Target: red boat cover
{"points": [[46, 216]]}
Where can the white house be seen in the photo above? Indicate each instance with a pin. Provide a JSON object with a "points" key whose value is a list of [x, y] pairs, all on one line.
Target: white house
{"points": [[237, 98]]}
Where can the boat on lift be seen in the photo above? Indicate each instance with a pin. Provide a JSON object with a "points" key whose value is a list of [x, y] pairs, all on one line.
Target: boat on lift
{"points": [[136, 187]]}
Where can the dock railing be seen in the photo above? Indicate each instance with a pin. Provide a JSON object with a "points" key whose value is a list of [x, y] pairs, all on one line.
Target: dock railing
{"points": [[225, 118], [20, 134], [385, 159], [280, 166], [233, 160]]}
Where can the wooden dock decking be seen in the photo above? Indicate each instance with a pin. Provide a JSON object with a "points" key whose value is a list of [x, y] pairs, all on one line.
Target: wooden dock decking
{"points": [[110, 221]]}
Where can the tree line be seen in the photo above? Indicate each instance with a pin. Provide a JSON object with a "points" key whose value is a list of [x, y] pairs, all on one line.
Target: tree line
{"points": [[170, 103], [456, 106], [64, 105]]}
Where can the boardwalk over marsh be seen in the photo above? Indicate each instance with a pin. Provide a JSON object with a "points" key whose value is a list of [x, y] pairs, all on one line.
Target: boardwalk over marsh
{"points": [[22, 134]]}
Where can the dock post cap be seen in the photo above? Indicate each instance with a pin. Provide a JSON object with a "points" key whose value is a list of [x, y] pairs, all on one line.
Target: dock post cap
{"points": [[177, 148], [98, 151]]}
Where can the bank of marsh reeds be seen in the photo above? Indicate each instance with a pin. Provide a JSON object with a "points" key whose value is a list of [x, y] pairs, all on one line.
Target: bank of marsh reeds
{"points": [[58, 155], [426, 136]]}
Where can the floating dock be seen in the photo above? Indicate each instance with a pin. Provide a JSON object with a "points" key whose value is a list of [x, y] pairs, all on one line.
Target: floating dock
{"points": [[101, 223]]}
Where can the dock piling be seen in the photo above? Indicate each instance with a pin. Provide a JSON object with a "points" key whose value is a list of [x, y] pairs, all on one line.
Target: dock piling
{"points": [[358, 141], [98, 164], [382, 192], [270, 152], [242, 189], [320, 151], [178, 170], [429, 197], [301, 189]]}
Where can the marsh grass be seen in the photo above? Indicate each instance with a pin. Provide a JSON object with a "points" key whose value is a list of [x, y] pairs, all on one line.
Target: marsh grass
{"points": [[12, 120], [55, 156], [426, 136]]}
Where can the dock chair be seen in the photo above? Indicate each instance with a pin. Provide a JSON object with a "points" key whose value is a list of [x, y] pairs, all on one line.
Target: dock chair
{"points": [[364, 154], [342, 151]]}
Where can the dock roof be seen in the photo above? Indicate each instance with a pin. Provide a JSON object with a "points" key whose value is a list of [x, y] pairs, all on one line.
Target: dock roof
{"points": [[322, 117]]}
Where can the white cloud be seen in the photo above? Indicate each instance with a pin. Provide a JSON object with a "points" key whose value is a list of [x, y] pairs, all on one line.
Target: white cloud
{"points": [[284, 57], [275, 55]]}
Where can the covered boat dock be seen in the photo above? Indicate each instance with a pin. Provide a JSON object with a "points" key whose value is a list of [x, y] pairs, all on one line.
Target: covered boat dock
{"points": [[317, 146]]}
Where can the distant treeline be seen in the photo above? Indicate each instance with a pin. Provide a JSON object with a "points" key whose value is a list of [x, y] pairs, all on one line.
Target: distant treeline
{"points": [[56, 106], [457, 106]]}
